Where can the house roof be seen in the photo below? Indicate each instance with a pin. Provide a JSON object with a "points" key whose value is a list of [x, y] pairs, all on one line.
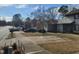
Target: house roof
{"points": [[52, 21], [73, 12], [65, 20]]}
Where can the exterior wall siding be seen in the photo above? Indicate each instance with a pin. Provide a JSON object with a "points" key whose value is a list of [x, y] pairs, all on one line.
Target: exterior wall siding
{"points": [[59, 28], [67, 28], [76, 28], [52, 27], [76, 21]]}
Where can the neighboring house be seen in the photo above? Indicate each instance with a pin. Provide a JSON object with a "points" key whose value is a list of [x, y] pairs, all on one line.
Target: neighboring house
{"points": [[65, 25], [74, 14], [70, 23]]}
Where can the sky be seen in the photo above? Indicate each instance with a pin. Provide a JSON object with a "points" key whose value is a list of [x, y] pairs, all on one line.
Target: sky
{"points": [[8, 10]]}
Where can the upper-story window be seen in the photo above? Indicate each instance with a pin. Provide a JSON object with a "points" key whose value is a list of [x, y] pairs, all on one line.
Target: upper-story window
{"points": [[76, 17]]}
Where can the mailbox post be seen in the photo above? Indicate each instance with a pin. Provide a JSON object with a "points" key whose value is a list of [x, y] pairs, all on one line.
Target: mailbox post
{"points": [[11, 31]]}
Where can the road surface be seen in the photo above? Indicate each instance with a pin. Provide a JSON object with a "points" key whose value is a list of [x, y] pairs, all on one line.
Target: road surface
{"points": [[4, 31]]}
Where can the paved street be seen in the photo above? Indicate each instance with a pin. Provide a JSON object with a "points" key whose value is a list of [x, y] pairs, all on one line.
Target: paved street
{"points": [[4, 32]]}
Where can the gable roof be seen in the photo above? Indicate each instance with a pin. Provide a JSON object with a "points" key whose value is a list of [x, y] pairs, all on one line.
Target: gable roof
{"points": [[52, 21], [65, 20], [73, 12]]}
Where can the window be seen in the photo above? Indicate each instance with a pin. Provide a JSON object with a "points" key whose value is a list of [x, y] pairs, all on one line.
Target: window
{"points": [[77, 27], [76, 17]]}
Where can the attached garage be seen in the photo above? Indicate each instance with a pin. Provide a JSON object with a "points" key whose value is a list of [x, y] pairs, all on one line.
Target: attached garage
{"points": [[65, 25], [52, 27]]}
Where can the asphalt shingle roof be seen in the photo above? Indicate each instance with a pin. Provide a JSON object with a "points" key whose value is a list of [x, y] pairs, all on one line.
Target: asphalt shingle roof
{"points": [[73, 12], [65, 20]]}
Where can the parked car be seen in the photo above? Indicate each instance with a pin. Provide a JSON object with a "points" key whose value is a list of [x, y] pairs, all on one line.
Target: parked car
{"points": [[13, 29], [19, 27], [42, 31], [30, 30]]}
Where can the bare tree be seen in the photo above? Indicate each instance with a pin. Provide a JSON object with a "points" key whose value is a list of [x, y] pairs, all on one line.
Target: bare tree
{"points": [[17, 20]]}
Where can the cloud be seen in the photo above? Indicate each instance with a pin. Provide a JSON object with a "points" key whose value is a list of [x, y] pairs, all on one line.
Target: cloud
{"points": [[5, 5], [36, 7], [76, 6], [14, 5], [8, 18], [73, 5], [21, 6]]}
